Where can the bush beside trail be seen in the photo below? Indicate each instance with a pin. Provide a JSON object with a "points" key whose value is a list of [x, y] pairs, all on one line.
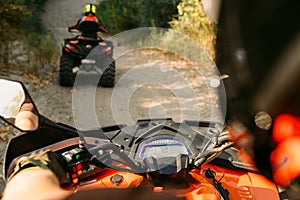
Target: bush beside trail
{"points": [[185, 16], [193, 22], [119, 15], [25, 44]]}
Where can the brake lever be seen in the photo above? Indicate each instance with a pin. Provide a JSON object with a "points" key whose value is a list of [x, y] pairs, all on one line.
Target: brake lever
{"points": [[221, 139], [208, 155]]}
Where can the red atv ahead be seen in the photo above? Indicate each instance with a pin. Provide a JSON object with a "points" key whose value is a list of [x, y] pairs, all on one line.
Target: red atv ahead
{"points": [[76, 49]]}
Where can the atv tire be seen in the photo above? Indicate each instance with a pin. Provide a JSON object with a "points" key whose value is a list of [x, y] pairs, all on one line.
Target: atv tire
{"points": [[108, 77], [66, 76]]}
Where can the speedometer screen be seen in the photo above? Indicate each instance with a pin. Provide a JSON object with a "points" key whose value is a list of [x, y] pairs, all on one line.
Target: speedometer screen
{"points": [[161, 151], [162, 147]]}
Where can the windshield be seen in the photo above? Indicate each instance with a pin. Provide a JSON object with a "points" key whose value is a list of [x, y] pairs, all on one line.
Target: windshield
{"points": [[160, 73]]}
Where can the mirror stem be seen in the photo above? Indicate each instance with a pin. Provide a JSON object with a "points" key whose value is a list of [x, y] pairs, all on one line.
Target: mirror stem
{"points": [[45, 122]]}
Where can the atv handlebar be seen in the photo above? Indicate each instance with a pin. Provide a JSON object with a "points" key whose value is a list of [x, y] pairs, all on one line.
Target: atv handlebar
{"points": [[73, 30], [81, 163]]}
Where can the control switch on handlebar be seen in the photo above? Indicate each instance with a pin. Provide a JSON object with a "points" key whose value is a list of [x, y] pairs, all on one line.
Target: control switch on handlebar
{"points": [[77, 163]]}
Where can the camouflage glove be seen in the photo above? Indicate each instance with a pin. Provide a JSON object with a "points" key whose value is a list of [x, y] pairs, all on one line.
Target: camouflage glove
{"points": [[43, 159]]}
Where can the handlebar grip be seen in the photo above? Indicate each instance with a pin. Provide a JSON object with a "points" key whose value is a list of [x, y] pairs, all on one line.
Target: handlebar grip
{"points": [[73, 30]]}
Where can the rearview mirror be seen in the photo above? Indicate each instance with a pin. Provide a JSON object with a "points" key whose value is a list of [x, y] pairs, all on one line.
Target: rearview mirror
{"points": [[17, 107]]}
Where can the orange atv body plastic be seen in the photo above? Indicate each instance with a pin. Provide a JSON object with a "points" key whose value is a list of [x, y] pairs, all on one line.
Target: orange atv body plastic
{"points": [[240, 184], [285, 157]]}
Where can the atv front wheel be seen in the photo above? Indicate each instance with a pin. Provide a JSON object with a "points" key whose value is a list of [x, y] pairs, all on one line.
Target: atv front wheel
{"points": [[66, 76], [108, 77]]}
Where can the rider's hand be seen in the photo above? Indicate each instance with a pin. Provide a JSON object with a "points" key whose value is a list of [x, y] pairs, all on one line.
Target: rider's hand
{"points": [[102, 29], [43, 159]]}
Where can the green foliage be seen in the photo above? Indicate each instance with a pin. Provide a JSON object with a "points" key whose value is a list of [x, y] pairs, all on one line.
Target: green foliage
{"points": [[120, 15], [184, 16], [192, 21], [157, 13], [12, 17], [20, 22], [41, 48]]}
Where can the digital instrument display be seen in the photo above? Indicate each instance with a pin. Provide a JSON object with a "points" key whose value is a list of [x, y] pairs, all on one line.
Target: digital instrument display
{"points": [[160, 151], [161, 147]]}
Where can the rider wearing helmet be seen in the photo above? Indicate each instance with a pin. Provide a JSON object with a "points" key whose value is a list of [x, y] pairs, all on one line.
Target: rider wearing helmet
{"points": [[89, 24]]}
